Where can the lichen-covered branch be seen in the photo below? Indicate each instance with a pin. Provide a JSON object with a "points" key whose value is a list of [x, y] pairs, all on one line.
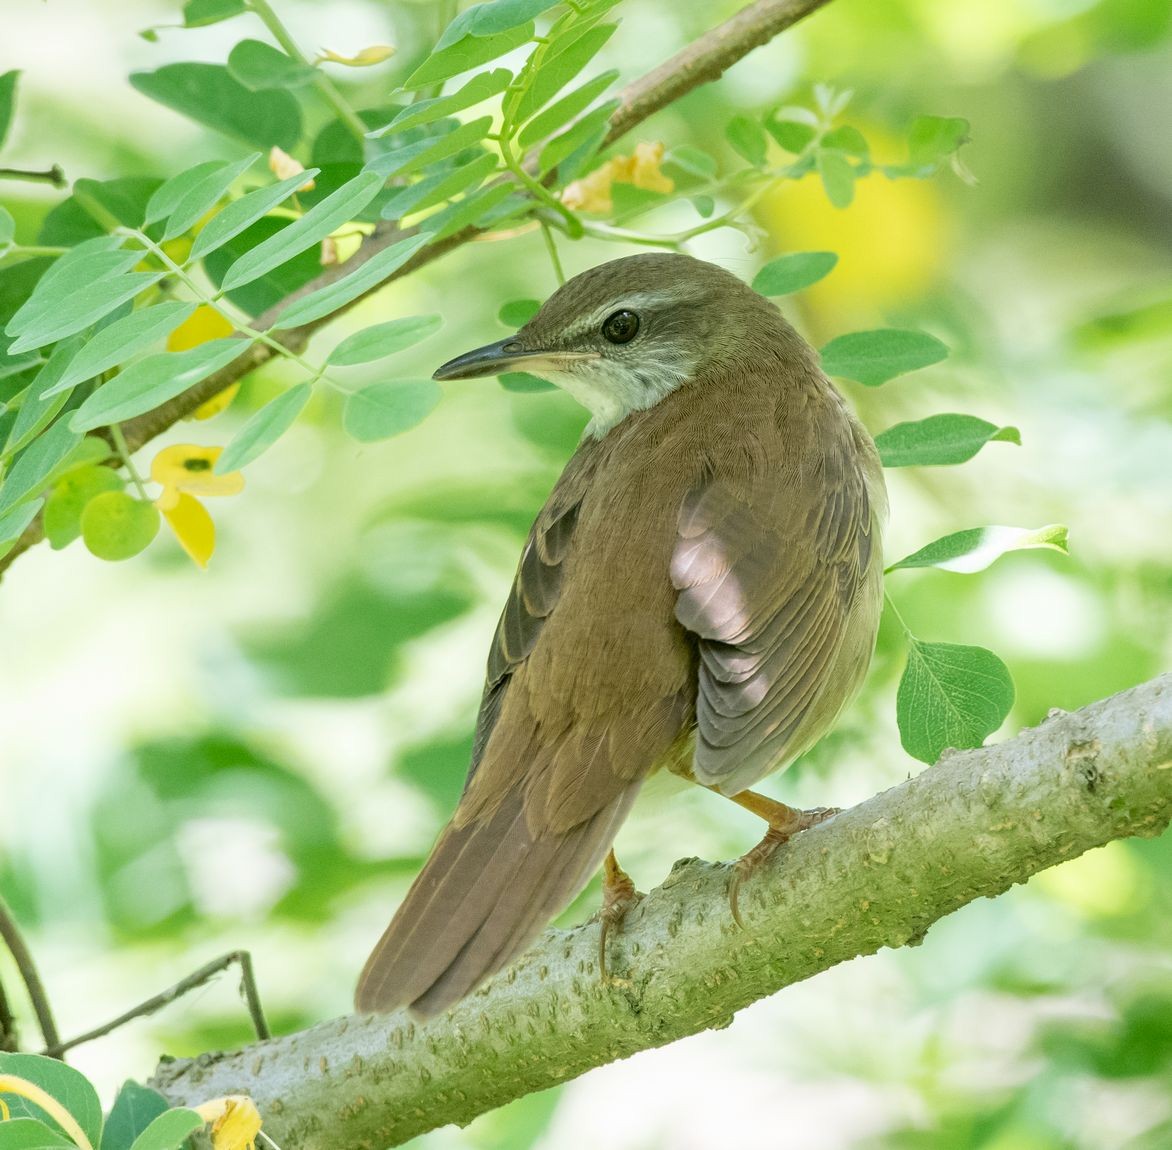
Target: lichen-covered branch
{"points": [[705, 59], [877, 875]]}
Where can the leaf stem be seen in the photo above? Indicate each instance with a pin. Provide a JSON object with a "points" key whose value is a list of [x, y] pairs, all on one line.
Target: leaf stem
{"points": [[18, 948], [123, 450], [551, 247], [329, 91], [895, 611], [54, 175]]}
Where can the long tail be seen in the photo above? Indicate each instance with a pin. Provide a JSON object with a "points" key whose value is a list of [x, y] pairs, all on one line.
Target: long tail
{"points": [[485, 893]]}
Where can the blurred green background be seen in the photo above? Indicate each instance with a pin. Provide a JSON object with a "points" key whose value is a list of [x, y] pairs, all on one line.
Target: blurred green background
{"points": [[259, 756]]}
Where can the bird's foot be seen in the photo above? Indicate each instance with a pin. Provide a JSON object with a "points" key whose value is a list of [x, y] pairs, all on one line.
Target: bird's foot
{"points": [[618, 897], [784, 823]]}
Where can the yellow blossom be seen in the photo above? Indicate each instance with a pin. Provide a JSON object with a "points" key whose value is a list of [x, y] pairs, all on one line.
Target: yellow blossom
{"points": [[329, 252], [204, 324], [234, 1119], [193, 527], [592, 193], [374, 54], [187, 469], [217, 403], [282, 165]]}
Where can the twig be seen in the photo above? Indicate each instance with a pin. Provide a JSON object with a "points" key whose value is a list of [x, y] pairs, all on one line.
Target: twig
{"points": [[704, 59], [54, 175], [192, 982], [19, 950], [9, 1039], [878, 875]]}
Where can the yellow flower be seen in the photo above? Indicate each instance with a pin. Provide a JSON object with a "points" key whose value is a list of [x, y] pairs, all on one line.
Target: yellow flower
{"points": [[204, 324], [282, 165], [234, 1119], [375, 54], [217, 403], [592, 193], [193, 527], [187, 469]]}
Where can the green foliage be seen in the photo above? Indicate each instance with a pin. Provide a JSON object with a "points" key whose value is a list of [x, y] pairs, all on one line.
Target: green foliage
{"points": [[67, 1086], [747, 137], [199, 13], [264, 428], [873, 357], [975, 549], [464, 55], [135, 1108], [481, 87], [204, 195], [117, 526], [387, 409], [7, 102], [793, 272], [950, 696], [384, 339], [260, 66], [940, 439], [169, 1131], [70, 497]]}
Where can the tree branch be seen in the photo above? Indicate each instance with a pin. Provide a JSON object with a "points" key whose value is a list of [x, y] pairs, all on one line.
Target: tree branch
{"points": [[705, 59], [877, 875]]}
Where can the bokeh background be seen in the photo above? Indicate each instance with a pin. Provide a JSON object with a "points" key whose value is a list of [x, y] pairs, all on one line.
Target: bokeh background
{"points": [[260, 755]]}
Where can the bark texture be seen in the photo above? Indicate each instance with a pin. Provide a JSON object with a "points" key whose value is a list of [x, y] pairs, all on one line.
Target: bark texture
{"points": [[877, 875]]}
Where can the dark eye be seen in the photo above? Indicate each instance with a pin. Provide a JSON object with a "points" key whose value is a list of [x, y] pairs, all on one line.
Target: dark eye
{"points": [[622, 327]]}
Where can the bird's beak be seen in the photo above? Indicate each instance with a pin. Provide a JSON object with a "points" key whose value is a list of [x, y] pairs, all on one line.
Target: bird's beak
{"points": [[508, 355]]}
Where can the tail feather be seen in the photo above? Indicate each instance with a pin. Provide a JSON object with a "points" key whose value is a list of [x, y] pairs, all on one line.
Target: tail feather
{"points": [[483, 895]]}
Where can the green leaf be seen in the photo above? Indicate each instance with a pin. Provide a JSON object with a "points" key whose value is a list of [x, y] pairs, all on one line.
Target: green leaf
{"points": [[939, 439], [792, 135], [152, 381], [493, 18], [442, 186], [64, 507], [166, 198], [200, 13], [362, 279], [518, 312], [70, 222], [388, 409], [977, 548], [932, 139], [468, 53], [31, 469], [12, 525], [481, 87], [559, 66], [704, 205], [70, 1087], [274, 287], [548, 122], [384, 339], [950, 696], [86, 264], [592, 126], [792, 272], [523, 382], [419, 155], [205, 195], [169, 1131], [79, 309], [117, 526], [210, 95], [847, 139], [692, 161], [7, 228], [7, 102], [323, 218], [874, 357], [28, 1133], [39, 407], [122, 340], [838, 178], [260, 66], [264, 428], [135, 1108], [244, 212], [475, 209], [747, 138]]}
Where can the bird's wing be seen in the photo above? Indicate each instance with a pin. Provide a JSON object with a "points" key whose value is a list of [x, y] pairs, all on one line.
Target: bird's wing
{"points": [[778, 581]]}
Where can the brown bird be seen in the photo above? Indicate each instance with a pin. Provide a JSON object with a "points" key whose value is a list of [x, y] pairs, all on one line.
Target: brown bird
{"points": [[701, 592]]}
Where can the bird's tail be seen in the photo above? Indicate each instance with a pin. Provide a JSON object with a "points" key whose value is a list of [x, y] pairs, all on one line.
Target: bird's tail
{"points": [[486, 891]]}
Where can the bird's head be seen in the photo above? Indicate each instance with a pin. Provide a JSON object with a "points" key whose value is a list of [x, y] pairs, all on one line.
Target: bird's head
{"points": [[623, 335]]}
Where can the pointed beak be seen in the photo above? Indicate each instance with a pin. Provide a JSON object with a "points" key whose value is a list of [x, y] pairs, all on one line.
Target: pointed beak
{"points": [[508, 355]]}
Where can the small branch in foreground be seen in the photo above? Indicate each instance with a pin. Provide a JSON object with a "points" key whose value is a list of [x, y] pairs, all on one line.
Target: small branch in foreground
{"points": [[877, 875], [54, 175], [194, 980], [705, 59], [14, 940]]}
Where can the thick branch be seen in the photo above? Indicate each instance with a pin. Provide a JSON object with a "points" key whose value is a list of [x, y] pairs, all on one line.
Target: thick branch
{"points": [[877, 875], [703, 60]]}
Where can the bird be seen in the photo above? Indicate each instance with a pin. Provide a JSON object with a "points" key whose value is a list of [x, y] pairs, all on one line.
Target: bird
{"points": [[700, 593]]}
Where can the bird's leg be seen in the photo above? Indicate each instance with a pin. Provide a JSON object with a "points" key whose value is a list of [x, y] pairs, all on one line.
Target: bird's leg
{"points": [[618, 896], [784, 822]]}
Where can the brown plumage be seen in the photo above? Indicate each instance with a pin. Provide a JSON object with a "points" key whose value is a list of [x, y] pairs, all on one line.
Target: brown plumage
{"points": [[707, 567]]}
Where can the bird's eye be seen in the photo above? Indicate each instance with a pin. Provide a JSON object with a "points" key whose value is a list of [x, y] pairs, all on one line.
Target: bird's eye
{"points": [[621, 327]]}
